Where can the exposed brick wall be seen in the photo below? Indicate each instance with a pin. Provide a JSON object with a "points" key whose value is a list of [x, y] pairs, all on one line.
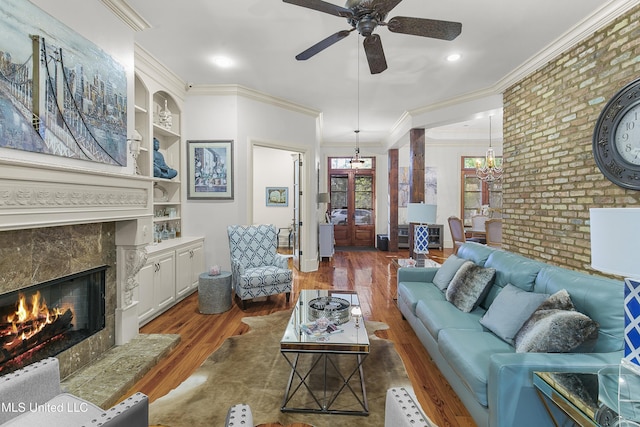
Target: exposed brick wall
{"points": [[551, 179]]}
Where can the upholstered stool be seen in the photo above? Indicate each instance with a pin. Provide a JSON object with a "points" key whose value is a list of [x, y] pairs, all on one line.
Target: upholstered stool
{"points": [[214, 293]]}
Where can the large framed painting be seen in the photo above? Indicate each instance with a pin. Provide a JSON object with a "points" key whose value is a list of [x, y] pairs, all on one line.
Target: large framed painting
{"points": [[210, 170], [60, 94]]}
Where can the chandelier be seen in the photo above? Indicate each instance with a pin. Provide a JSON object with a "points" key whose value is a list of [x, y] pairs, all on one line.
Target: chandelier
{"points": [[489, 171]]}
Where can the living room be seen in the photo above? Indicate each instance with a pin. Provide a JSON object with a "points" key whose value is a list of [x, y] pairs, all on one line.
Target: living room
{"points": [[551, 179]]}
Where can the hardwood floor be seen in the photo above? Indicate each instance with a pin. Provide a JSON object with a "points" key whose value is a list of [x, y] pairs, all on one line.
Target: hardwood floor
{"points": [[370, 273]]}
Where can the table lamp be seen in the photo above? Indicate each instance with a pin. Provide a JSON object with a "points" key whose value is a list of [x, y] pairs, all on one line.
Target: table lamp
{"points": [[324, 198], [615, 236], [422, 215]]}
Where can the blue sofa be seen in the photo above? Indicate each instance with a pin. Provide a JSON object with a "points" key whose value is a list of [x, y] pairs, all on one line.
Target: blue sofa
{"points": [[493, 381]]}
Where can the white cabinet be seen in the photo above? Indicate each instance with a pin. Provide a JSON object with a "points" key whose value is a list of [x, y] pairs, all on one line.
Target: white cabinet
{"points": [[156, 291], [170, 274], [326, 241], [189, 266]]}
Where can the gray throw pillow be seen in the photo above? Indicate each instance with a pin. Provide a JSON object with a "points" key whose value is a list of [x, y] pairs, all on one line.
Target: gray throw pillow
{"points": [[508, 312], [556, 327], [469, 285], [446, 272]]}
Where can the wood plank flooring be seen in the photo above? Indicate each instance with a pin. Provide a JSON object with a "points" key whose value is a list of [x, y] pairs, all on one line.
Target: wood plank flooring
{"points": [[370, 273]]}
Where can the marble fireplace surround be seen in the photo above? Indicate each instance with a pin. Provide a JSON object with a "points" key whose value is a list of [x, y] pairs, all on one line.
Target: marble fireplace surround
{"points": [[56, 221]]}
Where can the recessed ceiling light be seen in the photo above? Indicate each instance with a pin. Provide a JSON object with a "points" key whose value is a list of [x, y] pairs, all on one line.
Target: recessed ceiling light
{"points": [[454, 57], [222, 61]]}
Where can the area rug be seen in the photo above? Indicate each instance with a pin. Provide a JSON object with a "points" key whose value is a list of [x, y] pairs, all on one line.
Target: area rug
{"points": [[250, 369]]}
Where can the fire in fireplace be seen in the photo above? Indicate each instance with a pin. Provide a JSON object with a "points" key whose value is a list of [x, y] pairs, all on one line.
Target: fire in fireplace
{"points": [[45, 319]]}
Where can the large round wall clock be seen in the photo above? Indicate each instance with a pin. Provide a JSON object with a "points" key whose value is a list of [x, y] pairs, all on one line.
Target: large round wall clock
{"points": [[616, 138]]}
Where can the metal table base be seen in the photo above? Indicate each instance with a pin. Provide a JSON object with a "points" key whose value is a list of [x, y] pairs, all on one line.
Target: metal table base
{"points": [[328, 397]]}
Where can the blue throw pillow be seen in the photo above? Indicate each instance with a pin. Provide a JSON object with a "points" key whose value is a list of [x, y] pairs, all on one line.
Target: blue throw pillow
{"points": [[508, 312], [446, 272]]}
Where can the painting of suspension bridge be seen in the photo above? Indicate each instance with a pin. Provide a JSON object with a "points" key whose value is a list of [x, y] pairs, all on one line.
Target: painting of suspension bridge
{"points": [[60, 94]]}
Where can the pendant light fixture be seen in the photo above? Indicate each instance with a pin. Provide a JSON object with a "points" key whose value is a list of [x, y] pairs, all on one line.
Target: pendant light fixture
{"points": [[356, 162]]}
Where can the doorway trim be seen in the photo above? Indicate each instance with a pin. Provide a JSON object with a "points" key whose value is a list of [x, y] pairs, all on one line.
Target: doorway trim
{"points": [[308, 262]]}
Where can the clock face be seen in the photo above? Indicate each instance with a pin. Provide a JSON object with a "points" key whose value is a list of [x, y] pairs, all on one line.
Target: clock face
{"points": [[627, 136], [616, 138]]}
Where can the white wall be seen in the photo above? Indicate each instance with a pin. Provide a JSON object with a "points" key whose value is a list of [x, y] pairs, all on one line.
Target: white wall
{"points": [[272, 168], [250, 123]]}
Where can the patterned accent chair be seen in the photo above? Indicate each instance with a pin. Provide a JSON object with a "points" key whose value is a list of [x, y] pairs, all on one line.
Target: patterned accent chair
{"points": [[257, 269]]}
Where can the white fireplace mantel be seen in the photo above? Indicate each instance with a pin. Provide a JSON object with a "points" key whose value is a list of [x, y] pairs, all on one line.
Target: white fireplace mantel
{"points": [[47, 196]]}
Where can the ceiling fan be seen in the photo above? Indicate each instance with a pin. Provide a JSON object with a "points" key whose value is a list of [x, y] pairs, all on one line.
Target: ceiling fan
{"points": [[365, 16]]}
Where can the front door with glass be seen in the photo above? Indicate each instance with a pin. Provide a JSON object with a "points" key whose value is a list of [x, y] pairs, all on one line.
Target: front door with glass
{"points": [[352, 207]]}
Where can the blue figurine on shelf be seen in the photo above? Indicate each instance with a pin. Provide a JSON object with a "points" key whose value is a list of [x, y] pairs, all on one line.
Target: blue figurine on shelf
{"points": [[160, 168]]}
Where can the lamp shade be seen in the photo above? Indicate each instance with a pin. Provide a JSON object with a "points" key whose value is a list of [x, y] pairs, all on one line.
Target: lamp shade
{"points": [[615, 236], [421, 213]]}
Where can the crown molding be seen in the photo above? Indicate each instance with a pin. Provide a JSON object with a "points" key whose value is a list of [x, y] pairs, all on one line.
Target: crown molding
{"points": [[581, 31], [148, 64], [584, 29], [243, 91], [127, 14]]}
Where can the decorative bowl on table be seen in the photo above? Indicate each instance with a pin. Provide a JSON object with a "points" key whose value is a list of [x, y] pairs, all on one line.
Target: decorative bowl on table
{"points": [[332, 308]]}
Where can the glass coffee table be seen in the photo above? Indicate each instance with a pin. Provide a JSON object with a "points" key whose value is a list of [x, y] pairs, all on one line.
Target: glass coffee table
{"points": [[325, 346], [419, 263]]}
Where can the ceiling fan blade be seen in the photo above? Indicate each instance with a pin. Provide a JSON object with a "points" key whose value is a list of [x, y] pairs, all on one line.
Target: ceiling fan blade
{"points": [[323, 44], [375, 54], [384, 6], [322, 6], [444, 30]]}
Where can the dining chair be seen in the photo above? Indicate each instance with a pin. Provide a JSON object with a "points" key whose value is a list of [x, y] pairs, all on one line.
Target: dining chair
{"points": [[477, 227], [493, 229], [457, 232]]}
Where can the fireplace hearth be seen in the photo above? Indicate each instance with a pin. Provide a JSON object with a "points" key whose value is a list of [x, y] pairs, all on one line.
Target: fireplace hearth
{"points": [[47, 318]]}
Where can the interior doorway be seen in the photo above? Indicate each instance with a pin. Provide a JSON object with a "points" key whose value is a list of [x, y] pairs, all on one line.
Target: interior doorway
{"points": [[277, 170], [352, 201]]}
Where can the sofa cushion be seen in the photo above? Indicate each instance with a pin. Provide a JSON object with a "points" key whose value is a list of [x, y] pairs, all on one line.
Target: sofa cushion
{"points": [[446, 272], [412, 292], [264, 276], [522, 276], [475, 252], [556, 327], [62, 411], [599, 298], [468, 353], [438, 315], [508, 312], [469, 286]]}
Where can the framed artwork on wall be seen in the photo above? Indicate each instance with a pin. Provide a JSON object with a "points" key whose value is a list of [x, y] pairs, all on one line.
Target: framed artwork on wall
{"points": [[78, 75], [210, 170], [277, 196]]}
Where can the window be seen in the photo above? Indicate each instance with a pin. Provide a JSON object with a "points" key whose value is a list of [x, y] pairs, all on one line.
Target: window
{"points": [[477, 194]]}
